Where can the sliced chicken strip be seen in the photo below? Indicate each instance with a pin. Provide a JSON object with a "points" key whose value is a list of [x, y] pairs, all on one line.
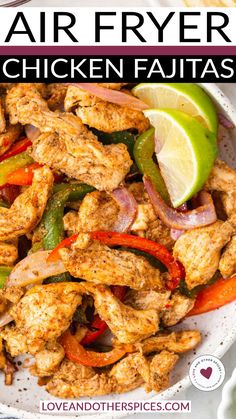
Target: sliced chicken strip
{"points": [[177, 342], [75, 380], [160, 368], [27, 209], [101, 265], [56, 93], [48, 360], [75, 151], [8, 253], [223, 180], [126, 323], [227, 264], [199, 251], [45, 312], [145, 300], [109, 117]]}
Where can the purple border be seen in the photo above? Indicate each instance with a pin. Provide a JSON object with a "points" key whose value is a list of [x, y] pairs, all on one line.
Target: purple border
{"points": [[117, 50]]}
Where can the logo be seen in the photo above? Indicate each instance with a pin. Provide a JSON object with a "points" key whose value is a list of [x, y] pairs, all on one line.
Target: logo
{"points": [[207, 373]]}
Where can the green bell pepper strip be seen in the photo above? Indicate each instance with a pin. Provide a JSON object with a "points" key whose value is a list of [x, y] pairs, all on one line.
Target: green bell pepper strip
{"points": [[53, 218], [4, 273], [117, 137], [4, 204], [13, 163], [144, 149]]}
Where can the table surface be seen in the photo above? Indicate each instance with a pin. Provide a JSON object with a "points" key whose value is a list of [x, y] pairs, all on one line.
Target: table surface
{"points": [[204, 405]]}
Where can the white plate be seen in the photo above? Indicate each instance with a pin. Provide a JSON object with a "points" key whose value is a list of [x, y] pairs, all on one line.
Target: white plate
{"points": [[218, 330], [227, 407]]}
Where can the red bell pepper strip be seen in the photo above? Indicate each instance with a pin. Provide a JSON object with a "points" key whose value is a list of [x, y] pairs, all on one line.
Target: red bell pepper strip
{"points": [[98, 326], [77, 353], [23, 176], [17, 148], [214, 296], [175, 268]]}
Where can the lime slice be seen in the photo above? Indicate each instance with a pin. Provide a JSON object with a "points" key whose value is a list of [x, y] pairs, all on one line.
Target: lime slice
{"points": [[186, 155], [186, 97]]}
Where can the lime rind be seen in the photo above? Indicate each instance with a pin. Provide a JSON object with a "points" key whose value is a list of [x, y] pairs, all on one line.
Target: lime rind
{"points": [[192, 93], [201, 147]]}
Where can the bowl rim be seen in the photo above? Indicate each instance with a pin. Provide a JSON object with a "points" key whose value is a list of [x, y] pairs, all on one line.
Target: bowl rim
{"points": [[226, 396], [226, 105]]}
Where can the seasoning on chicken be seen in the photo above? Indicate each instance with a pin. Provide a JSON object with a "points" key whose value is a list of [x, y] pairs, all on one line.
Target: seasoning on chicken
{"points": [[227, 265], [27, 209], [127, 324], [101, 265], [45, 312], [176, 309], [8, 253], [177, 342], [75, 151], [145, 300], [102, 115], [199, 251], [56, 93], [48, 359]]}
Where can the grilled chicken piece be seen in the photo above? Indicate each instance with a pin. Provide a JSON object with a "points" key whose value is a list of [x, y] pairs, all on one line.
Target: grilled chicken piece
{"points": [[177, 342], [8, 137], [160, 368], [45, 312], [160, 233], [145, 300], [27, 209], [227, 264], [98, 211], [199, 251], [48, 360], [15, 340], [126, 323], [2, 118], [101, 265], [8, 253], [75, 380], [223, 180], [176, 309], [102, 115], [109, 117], [129, 373], [70, 147]]}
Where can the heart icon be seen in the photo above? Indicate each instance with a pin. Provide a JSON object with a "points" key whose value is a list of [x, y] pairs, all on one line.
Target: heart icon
{"points": [[206, 372]]}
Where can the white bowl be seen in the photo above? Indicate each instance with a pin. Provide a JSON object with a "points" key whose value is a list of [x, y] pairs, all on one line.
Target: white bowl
{"points": [[218, 329], [227, 407]]}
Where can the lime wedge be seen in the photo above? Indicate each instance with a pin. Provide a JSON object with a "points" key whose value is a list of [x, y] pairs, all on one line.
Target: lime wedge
{"points": [[186, 97], [186, 152]]}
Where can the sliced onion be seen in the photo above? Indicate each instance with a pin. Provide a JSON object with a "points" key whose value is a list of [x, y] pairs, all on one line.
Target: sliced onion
{"points": [[113, 96], [5, 319], [32, 132], [175, 234], [34, 268], [128, 209], [225, 121], [204, 215]]}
